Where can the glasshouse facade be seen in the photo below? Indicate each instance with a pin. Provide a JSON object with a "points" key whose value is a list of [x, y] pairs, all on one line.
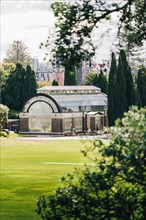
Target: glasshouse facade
{"points": [[63, 109]]}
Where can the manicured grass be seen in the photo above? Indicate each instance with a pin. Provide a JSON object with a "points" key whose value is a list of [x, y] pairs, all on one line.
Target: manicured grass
{"points": [[24, 176]]}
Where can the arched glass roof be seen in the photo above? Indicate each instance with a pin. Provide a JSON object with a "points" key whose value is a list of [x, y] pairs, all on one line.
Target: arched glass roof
{"points": [[77, 98], [82, 102]]}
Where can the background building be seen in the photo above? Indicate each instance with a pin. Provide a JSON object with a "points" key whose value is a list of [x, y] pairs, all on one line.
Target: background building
{"points": [[47, 72], [88, 67]]}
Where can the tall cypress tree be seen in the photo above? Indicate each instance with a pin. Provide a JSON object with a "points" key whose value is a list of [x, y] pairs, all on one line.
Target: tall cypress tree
{"points": [[102, 82], [130, 92], [29, 83], [111, 92], [120, 102], [141, 85]]}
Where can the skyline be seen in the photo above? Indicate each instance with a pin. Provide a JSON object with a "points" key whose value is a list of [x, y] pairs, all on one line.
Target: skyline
{"points": [[31, 20]]}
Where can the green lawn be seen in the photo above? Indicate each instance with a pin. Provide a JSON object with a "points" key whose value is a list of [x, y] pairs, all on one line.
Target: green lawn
{"points": [[24, 176]]}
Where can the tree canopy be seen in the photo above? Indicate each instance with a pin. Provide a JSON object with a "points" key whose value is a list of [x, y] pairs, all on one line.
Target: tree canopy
{"points": [[5, 70], [121, 88], [115, 187], [141, 85], [129, 82], [19, 87], [77, 19], [4, 110], [120, 104], [18, 53], [111, 90]]}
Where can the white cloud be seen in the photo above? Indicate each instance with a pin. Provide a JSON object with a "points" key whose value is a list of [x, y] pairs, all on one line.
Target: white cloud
{"points": [[28, 23]]}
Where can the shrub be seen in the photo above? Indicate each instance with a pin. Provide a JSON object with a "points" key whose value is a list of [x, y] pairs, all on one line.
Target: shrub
{"points": [[115, 188]]}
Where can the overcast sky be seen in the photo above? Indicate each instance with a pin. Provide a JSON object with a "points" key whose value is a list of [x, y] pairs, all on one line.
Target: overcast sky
{"points": [[27, 21], [30, 21]]}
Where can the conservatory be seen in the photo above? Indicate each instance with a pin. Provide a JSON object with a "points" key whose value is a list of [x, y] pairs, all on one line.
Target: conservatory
{"points": [[65, 109]]}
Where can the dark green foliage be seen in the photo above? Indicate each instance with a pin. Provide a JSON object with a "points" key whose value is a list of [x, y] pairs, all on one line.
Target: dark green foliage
{"points": [[102, 82], [19, 87], [98, 80], [74, 30], [76, 20], [67, 49], [130, 92], [121, 89], [115, 188], [30, 83], [111, 91], [91, 79], [133, 23], [141, 85], [122, 92], [70, 75], [54, 83], [125, 62], [120, 104], [13, 114]]}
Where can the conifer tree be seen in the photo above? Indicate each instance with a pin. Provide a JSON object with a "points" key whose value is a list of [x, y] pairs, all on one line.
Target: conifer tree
{"points": [[102, 82], [12, 90], [54, 83], [30, 83], [120, 91], [130, 92], [141, 85], [111, 93], [19, 87]]}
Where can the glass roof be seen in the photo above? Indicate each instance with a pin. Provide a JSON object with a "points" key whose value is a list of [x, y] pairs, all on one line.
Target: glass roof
{"points": [[81, 102]]}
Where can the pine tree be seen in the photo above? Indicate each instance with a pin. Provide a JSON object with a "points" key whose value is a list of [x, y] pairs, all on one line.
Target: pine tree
{"points": [[111, 93], [30, 83], [19, 87], [130, 92], [141, 85], [12, 90], [120, 103]]}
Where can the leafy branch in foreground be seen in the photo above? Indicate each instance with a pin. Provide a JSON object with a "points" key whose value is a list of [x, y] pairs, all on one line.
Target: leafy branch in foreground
{"points": [[115, 187], [76, 21]]}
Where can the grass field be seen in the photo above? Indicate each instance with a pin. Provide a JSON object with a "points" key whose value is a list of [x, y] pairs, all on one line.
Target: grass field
{"points": [[25, 176]]}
